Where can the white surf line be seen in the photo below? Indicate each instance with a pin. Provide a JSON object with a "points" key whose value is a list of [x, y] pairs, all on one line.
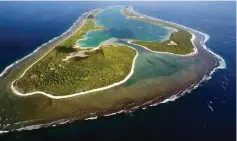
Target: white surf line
{"points": [[210, 107], [172, 98], [3, 131], [38, 48], [93, 90], [74, 94], [50, 41], [222, 63], [207, 37], [195, 50], [80, 93]]}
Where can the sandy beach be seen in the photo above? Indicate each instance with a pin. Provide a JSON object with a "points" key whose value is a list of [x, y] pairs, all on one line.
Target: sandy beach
{"points": [[93, 90]]}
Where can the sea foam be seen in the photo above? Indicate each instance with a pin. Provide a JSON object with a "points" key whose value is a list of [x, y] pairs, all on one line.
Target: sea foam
{"points": [[221, 61], [222, 65]]}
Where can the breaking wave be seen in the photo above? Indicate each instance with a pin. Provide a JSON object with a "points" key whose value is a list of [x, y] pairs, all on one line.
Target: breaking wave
{"points": [[38, 48], [208, 76]]}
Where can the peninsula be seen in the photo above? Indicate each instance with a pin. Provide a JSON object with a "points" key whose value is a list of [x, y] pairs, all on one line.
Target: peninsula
{"points": [[178, 43]]}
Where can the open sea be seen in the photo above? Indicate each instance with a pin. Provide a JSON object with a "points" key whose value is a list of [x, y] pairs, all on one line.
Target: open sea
{"points": [[207, 113]]}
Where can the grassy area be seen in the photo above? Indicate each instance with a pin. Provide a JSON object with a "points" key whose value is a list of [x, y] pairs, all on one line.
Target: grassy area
{"points": [[182, 37], [103, 67]]}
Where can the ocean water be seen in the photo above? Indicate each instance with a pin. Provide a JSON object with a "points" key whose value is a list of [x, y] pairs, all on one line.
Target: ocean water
{"points": [[119, 28], [207, 113]]}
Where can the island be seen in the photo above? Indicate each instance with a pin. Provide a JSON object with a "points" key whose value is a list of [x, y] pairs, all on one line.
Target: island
{"points": [[102, 66], [69, 68], [178, 43]]}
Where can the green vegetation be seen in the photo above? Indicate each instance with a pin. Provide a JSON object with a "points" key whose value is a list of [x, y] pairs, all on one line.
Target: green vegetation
{"points": [[102, 67], [182, 37], [88, 26], [131, 14]]}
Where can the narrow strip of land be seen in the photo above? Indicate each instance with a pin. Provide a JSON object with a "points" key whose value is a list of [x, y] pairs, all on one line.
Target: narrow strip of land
{"points": [[181, 37], [66, 71]]}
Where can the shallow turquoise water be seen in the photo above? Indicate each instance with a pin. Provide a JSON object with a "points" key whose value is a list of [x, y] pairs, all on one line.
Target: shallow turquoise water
{"points": [[182, 119], [123, 28], [151, 65], [148, 64], [154, 73]]}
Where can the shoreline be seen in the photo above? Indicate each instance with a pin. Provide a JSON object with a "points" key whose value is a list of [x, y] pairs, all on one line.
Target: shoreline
{"points": [[171, 98], [80, 93], [195, 50], [15, 91], [45, 44], [207, 37]]}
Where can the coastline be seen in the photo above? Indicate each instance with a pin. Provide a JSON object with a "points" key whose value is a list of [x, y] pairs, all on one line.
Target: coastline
{"points": [[195, 50], [15, 91], [207, 37], [80, 93], [172, 98], [45, 44]]}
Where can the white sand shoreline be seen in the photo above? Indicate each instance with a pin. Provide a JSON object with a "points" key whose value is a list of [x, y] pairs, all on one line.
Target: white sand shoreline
{"points": [[93, 90], [74, 94], [80, 93], [172, 98], [195, 50], [221, 60]]}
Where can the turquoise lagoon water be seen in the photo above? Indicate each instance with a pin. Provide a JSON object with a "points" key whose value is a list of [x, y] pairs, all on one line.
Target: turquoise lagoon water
{"points": [[179, 120], [153, 75], [148, 64], [123, 28]]}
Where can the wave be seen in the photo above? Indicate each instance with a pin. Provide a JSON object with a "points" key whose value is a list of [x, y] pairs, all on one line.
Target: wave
{"points": [[208, 76], [39, 47], [206, 38], [2, 132], [221, 61], [210, 107]]}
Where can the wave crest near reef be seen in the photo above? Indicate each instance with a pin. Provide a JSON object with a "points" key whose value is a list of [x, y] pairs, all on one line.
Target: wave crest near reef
{"points": [[221, 61]]}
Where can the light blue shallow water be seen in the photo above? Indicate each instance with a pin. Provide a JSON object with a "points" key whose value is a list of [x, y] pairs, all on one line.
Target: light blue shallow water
{"points": [[179, 120], [121, 27]]}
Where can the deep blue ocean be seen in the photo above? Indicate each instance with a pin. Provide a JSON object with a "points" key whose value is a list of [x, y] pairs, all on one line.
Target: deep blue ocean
{"points": [[207, 113]]}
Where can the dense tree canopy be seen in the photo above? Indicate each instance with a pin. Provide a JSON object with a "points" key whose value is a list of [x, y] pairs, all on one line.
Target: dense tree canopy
{"points": [[102, 67]]}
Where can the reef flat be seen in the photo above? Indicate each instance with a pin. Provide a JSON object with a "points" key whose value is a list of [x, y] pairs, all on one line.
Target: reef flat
{"points": [[178, 43], [69, 69], [155, 75]]}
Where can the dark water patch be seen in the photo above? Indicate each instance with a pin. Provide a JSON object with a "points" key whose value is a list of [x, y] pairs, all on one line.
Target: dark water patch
{"points": [[170, 65], [151, 62], [121, 33]]}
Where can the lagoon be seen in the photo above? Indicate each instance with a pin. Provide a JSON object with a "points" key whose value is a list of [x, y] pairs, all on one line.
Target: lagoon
{"points": [[118, 26], [156, 76]]}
